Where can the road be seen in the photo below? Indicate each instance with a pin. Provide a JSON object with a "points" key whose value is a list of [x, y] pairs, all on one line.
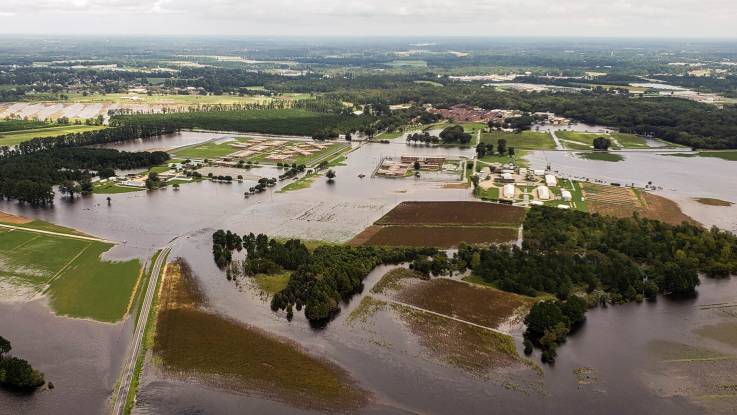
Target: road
{"points": [[129, 365], [66, 235]]}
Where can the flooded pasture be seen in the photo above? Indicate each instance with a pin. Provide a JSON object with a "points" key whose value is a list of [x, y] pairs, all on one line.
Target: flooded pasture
{"points": [[613, 348]]}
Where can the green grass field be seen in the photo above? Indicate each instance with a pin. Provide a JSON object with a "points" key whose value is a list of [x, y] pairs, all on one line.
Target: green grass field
{"points": [[574, 140], [630, 140], [14, 137], [70, 271], [531, 140], [724, 155], [110, 188], [206, 150], [601, 156]]}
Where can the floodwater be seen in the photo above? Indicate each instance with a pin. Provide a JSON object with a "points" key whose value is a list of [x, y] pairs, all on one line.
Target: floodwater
{"points": [[681, 179], [81, 358], [385, 359], [165, 142]]}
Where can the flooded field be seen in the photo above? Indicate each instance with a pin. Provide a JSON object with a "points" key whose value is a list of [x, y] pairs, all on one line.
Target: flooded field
{"points": [[607, 367]]}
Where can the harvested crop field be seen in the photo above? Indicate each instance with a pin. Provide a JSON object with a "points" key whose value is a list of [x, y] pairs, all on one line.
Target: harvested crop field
{"points": [[192, 342], [624, 201], [436, 236], [453, 213], [480, 305]]}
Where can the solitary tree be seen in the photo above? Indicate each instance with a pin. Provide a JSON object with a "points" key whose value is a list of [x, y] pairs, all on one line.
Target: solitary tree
{"points": [[330, 175], [417, 165]]}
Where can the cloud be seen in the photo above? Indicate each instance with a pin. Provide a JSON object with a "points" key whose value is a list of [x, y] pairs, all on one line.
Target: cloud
{"points": [[429, 17]]}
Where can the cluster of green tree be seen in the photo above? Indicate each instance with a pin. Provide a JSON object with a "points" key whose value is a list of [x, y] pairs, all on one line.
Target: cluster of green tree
{"points": [[423, 137], [15, 373], [549, 322], [455, 134], [602, 143], [30, 177], [87, 138], [319, 279], [488, 148], [281, 121]]}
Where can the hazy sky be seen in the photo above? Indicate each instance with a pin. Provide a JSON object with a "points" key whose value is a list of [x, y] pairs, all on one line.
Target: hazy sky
{"points": [[656, 18]]}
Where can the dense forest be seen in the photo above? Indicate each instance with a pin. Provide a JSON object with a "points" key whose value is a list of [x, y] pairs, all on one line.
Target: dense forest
{"points": [[320, 278], [609, 260]]}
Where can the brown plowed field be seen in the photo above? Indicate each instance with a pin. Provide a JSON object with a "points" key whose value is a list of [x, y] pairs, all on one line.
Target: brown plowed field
{"points": [[453, 213], [485, 306], [436, 236]]}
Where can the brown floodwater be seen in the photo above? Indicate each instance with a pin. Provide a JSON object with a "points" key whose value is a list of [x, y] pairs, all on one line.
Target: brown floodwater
{"points": [[385, 359]]}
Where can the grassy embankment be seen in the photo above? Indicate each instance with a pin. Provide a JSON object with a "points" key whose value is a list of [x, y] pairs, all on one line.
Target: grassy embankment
{"points": [[70, 271]]}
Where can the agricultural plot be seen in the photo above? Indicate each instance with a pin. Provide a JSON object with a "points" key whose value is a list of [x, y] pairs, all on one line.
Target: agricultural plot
{"points": [[531, 140], [437, 236], [453, 213], [484, 306], [443, 225], [624, 202], [69, 271], [197, 343]]}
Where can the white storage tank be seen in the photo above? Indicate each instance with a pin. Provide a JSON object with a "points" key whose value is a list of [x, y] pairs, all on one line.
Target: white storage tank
{"points": [[566, 195]]}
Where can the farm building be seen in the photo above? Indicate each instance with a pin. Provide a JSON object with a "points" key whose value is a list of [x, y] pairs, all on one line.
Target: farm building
{"points": [[566, 195], [550, 180], [508, 191], [543, 193], [538, 172], [507, 178]]}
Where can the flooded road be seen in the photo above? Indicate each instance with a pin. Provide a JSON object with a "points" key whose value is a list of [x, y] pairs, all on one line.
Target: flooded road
{"points": [[384, 358]]}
